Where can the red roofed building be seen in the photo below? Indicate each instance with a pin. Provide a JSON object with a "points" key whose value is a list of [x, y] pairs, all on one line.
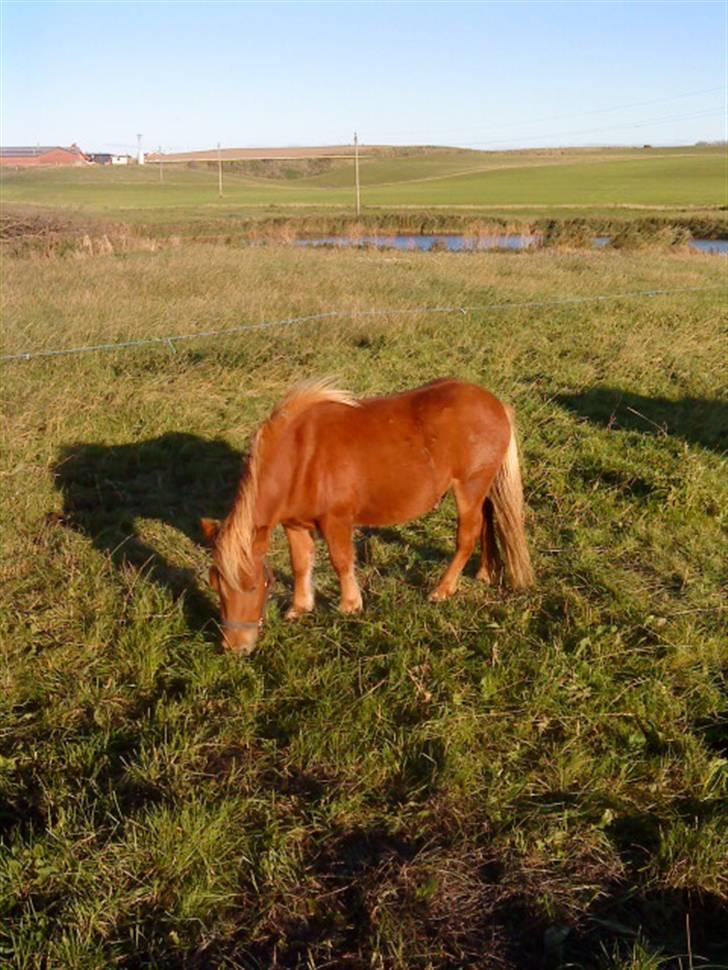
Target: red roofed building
{"points": [[54, 155]]}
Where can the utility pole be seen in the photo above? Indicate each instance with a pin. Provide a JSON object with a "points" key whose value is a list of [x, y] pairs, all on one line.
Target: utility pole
{"points": [[356, 173], [219, 171], [161, 165], [140, 153]]}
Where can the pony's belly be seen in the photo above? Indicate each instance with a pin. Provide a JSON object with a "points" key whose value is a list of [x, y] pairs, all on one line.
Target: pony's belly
{"points": [[399, 482], [391, 507], [378, 520]]}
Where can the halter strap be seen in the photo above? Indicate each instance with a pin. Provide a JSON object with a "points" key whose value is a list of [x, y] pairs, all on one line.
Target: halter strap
{"points": [[239, 624]]}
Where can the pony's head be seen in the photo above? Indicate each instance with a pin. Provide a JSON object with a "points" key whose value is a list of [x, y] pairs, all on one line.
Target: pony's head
{"points": [[242, 598]]}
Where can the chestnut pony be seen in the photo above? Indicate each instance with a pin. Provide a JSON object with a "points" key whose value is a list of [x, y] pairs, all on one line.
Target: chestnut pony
{"points": [[325, 461]]}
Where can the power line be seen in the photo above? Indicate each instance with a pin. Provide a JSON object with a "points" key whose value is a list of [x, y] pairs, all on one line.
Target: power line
{"points": [[173, 339], [575, 114], [588, 131]]}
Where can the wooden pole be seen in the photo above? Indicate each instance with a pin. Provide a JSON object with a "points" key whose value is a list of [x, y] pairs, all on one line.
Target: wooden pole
{"points": [[219, 171], [161, 165], [356, 173]]}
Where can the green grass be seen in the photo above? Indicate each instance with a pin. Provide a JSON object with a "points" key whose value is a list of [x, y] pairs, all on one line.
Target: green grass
{"points": [[510, 182], [698, 181], [502, 780]]}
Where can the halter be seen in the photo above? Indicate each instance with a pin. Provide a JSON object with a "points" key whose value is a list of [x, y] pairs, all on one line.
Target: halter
{"points": [[242, 624], [252, 624]]}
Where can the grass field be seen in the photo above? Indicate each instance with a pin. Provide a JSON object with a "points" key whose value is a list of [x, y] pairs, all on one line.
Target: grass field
{"points": [[527, 781], [515, 183]]}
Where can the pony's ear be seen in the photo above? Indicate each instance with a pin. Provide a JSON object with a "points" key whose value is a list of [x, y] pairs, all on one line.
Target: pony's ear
{"points": [[210, 528]]}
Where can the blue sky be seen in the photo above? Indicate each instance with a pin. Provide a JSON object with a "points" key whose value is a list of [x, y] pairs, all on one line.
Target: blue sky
{"points": [[486, 75]]}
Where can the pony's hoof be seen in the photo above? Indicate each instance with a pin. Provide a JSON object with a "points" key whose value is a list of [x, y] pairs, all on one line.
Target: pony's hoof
{"points": [[295, 612], [483, 576], [351, 608], [438, 595]]}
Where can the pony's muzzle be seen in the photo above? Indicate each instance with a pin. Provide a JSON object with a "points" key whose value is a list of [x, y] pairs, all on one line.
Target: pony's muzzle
{"points": [[240, 637]]}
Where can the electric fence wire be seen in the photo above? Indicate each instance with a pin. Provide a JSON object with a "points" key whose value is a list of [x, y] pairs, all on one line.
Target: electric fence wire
{"points": [[173, 339]]}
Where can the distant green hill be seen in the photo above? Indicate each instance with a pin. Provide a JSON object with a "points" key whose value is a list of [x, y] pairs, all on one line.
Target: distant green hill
{"points": [[541, 180]]}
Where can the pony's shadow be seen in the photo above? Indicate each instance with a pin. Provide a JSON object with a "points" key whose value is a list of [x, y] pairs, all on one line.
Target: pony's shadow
{"points": [[419, 561], [174, 479], [699, 421]]}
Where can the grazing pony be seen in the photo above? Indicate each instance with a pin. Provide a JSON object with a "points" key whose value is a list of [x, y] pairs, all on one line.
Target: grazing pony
{"points": [[325, 461]]}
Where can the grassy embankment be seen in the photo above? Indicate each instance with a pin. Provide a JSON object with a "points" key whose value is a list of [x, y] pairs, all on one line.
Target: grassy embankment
{"points": [[502, 780]]}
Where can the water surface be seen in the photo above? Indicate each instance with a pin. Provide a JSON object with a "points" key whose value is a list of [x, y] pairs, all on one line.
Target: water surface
{"points": [[460, 243]]}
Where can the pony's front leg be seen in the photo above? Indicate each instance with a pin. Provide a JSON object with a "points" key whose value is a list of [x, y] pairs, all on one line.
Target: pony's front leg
{"points": [[338, 535], [302, 549]]}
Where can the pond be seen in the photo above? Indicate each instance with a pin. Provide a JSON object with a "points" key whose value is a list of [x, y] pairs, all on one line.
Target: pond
{"points": [[461, 243], [710, 245]]}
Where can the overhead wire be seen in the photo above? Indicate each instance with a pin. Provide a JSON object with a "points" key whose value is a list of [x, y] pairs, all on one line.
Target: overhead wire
{"points": [[573, 114]]}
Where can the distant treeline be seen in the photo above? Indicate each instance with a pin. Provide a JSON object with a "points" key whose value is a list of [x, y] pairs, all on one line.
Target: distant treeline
{"points": [[273, 168]]}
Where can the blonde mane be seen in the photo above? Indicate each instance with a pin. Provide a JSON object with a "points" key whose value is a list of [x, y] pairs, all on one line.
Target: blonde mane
{"points": [[234, 544]]}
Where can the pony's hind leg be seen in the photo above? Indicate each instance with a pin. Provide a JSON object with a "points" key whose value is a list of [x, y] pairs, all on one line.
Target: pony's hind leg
{"points": [[338, 535], [302, 549], [490, 561], [469, 499]]}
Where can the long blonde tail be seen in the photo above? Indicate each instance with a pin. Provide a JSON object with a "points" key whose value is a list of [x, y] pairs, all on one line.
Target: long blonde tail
{"points": [[506, 494]]}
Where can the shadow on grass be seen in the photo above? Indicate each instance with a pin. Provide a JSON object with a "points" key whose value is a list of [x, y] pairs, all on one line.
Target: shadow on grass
{"points": [[372, 895], [714, 732], [413, 558], [421, 570], [698, 421], [668, 922], [175, 479]]}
